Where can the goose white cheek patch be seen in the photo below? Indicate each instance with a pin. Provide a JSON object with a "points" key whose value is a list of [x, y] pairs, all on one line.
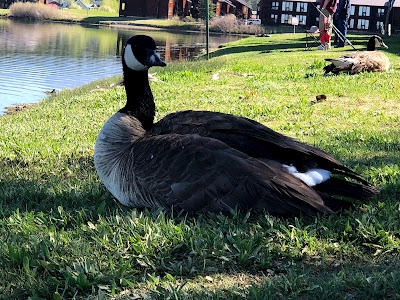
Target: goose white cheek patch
{"points": [[131, 60], [312, 177]]}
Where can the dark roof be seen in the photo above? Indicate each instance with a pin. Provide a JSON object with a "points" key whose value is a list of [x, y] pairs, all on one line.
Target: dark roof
{"points": [[374, 3], [244, 3], [362, 2]]}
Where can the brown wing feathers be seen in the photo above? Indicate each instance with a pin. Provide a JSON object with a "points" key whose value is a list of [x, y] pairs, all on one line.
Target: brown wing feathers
{"points": [[218, 178], [254, 139]]}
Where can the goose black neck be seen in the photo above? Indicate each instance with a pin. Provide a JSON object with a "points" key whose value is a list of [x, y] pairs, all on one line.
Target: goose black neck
{"points": [[371, 45], [139, 98]]}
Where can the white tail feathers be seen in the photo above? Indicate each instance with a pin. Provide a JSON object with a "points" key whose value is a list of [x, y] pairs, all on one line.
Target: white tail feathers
{"points": [[342, 61], [312, 177]]}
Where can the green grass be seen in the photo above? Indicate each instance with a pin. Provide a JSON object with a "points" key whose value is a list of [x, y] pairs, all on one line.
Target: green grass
{"points": [[169, 24], [62, 235], [81, 13]]}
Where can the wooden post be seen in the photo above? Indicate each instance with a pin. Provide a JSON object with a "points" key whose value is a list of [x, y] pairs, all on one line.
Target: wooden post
{"points": [[167, 54], [171, 8], [183, 8], [207, 29], [245, 12]]}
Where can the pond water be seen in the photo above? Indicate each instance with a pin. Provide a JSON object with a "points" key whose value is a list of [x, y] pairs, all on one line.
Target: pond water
{"points": [[40, 57]]}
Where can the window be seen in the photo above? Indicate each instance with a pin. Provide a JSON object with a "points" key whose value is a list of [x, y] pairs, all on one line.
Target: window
{"points": [[302, 19], [275, 5], [274, 18], [379, 26], [301, 7], [381, 12], [351, 23], [286, 19], [363, 24], [287, 6], [353, 9], [364, 11]]}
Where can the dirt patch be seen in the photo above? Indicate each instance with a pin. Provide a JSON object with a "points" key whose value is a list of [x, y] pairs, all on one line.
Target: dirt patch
{"points": [[10, 110]]}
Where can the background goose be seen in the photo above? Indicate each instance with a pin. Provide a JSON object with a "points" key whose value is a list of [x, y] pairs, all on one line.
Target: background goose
{"points": [[202, 161], [361, 61]]}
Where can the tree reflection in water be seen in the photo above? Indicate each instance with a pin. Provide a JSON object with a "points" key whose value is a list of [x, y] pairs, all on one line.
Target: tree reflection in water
{"points": [[37, 57]]}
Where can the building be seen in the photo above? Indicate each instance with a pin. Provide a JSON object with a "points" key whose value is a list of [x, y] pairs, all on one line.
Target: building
{"points": [[181, 8], [239, 8], [371, 15], [277, 13], [144, 8], [365, 14]]}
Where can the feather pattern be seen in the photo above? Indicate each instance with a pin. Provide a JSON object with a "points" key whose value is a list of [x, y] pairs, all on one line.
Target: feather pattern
{"points": [[201, 161], [361, 61]]}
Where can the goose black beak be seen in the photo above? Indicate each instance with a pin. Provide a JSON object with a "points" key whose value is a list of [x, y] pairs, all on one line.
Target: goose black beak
{"points": [[384, 46], [153, 59]]}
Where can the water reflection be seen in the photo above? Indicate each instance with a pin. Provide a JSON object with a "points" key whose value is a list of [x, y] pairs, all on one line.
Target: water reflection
{"points": [[174, 46], [35, 57]]}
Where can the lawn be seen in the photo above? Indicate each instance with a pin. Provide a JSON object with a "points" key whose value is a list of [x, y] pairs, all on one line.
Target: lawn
{"points": [[63, 236], [81, 13]]}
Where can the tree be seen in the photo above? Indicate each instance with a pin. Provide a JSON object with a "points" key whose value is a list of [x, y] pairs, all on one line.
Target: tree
{"points": [[389, 4], [201, 7], [253, 4]]}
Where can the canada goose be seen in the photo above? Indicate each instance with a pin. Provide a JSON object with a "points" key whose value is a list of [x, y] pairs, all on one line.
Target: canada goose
{"points": [[361, 61], [49, 92], [200, 161]]}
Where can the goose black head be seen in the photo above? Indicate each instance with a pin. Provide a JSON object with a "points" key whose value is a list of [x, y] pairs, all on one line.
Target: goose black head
{"points": [[376, 42], [140, 54]]}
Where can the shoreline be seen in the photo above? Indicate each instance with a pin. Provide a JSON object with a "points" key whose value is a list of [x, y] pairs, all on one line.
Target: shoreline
{"points": [[189, 27], [13, 109]]}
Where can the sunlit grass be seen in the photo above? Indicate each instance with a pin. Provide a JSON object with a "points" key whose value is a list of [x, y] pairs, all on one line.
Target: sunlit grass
{"points": [[81, 13], [62, 235]]}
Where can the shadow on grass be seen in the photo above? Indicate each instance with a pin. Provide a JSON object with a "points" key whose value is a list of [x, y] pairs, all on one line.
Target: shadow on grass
{"points": [[190, 247], [299, 44], [358, 280], [49, 191], [294, 45], [58, 189], [360, 42]]}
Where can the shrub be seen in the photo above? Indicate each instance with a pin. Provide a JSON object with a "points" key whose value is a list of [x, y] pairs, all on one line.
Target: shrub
{"points": [[175, 19], [34, 11], [251, 29], [227, 23], [189, 19], [230, 24], [109, 5]]}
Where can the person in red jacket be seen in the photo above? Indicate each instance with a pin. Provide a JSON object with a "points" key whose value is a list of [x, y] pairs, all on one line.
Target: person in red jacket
{"points": [[328, 8]]}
